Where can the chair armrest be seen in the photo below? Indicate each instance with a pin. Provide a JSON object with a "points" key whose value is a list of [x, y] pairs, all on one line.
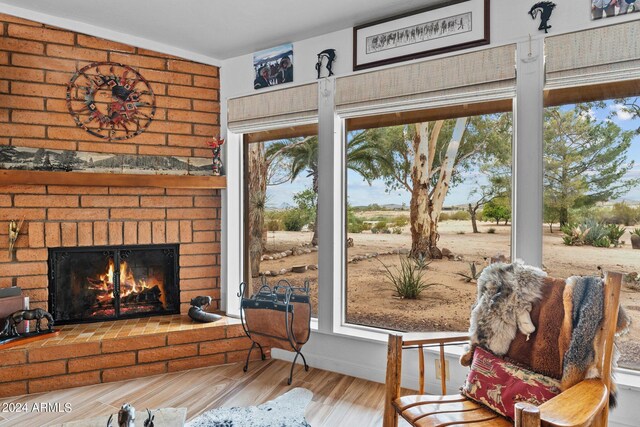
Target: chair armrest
{"points": [[426, 338], [577, 406]]}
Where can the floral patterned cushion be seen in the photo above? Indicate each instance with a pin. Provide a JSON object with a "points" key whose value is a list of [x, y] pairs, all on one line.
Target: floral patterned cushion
{"points": [[499, 385]]}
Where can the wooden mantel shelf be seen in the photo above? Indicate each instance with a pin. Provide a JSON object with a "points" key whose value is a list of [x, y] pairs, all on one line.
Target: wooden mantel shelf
{"points": [[23, 177]]}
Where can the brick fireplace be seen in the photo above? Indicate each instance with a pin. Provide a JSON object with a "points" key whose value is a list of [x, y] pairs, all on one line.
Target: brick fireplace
{"points": [[70, 211], [36, 63]]}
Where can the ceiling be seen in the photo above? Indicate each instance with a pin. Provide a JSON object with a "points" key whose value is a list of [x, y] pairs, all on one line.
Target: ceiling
{"points": [[220, 29]]}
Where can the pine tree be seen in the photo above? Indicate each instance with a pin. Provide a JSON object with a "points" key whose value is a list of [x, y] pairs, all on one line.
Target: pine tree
{"points": [[585, 161]]}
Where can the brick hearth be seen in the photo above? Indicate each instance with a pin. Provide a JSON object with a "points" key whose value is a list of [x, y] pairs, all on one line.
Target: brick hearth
{"points": [[113, 351]]}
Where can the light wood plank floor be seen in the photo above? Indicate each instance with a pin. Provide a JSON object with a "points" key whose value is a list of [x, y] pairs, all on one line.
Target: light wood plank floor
{"points": [[338, 400]]}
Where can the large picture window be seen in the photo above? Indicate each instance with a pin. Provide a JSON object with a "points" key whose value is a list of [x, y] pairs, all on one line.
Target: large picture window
{"points": [[428, 206], [592, 194], [281, 194]]}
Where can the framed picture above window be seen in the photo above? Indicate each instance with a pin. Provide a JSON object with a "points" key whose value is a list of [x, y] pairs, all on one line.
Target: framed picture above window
{"points": [[273, 66], [608, 8], [455, 25]]}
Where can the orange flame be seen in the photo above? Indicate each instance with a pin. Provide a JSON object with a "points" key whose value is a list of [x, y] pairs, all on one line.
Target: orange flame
{"points": [[128, 283]]}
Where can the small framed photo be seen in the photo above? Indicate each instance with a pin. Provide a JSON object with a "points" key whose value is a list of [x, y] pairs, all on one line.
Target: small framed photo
{"points": [[455, 25], [608, 8], [273, 66]]}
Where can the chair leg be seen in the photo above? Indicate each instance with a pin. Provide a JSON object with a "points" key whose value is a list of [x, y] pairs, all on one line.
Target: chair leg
{"points": [[527, 415], [394, 372], [246, 365]]}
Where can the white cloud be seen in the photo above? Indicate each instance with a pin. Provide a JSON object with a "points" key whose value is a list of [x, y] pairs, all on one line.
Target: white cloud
{"points": [[621, 112]]}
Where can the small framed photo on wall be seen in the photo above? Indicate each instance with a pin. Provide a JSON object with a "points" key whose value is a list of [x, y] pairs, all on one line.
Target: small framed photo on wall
{"points": [[455, 25], [608, 8], [273, 66]]}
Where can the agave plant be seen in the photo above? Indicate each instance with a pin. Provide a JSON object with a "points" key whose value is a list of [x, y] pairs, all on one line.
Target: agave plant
{"points": [[615, 232], [408, 279], [422, 263], [574, 235], [475, 273], [635, 231]]}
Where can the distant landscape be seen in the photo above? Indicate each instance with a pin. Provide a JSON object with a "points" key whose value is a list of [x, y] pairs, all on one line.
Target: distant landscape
{"points": [[26, 158]]}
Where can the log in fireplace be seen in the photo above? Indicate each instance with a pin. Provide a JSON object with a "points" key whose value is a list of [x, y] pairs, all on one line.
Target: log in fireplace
{"points": [[113, 282]]}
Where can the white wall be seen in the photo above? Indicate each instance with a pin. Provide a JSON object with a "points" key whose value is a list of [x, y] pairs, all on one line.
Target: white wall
{"points": [[510, 23]]}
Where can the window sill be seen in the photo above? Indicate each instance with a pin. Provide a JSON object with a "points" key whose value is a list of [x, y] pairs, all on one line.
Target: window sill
{"points": [[625, 378]]}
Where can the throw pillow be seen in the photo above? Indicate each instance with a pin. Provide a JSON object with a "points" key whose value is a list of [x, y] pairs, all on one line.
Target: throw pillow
{"points": [[499, 385]]}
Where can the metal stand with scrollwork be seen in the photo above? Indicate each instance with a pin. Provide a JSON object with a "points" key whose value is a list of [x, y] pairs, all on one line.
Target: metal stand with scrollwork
{"points": [[277, 317]]}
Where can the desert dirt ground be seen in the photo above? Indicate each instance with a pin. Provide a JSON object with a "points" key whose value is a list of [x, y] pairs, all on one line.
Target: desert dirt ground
{"points": [[446, 304]]}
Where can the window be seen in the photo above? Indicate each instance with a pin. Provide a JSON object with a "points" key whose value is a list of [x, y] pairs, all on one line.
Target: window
{"points": [[428, 204], [592, 192], [281, 193]]}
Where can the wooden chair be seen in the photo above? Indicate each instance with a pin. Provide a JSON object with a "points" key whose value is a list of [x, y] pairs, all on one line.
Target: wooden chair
{"points": [[585, 404]]}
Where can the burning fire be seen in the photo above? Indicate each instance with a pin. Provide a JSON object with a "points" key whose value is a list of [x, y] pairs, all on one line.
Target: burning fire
{"points": [[104, 285]]}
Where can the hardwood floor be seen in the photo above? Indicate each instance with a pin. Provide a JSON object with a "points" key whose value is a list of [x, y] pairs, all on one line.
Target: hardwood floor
{"points": [[338, 400]]}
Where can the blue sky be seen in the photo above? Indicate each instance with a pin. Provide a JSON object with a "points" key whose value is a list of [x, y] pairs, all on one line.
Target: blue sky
{"points": [[360, 193]]}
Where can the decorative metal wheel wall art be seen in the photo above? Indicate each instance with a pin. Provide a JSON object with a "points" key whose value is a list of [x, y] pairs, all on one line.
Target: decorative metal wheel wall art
{"points": [[111, 101]]}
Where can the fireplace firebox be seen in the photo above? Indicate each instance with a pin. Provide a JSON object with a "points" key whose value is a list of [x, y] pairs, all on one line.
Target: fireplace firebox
{"points": [[113, 282]]}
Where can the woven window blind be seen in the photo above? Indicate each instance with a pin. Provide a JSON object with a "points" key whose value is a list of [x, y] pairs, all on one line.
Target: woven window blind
{"points": [[593, 56], [488, 73], [288, 105]]}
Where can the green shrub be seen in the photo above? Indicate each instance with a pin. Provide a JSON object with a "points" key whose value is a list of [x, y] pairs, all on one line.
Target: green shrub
{"points": [[621, 213], [397, 230], [491, 230], [354, 228], [407, 280], [445, 216], [461, 216], [400, 221], [294, 220], [380, 225], [615, 232], [274, 225]]}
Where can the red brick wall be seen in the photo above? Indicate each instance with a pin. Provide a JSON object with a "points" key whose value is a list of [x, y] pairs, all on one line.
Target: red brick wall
{"points": [[53, 367], [36, 62]]}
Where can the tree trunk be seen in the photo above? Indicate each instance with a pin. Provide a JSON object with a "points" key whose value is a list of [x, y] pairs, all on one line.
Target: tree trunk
{"points": [[257, 186], [474, 223], [564, 216], [425, 209], [424, 236], [314, 239], [551, 227]]}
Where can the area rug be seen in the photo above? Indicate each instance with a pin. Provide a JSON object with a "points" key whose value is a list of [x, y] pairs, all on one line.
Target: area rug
{"points": [[285, 411]]}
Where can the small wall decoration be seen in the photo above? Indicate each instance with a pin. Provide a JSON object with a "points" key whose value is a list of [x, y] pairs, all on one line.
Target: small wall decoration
{"points": [[544, 8], [273, 66], [330, 55], [111, 101], [608, 8], [456, 25], [216, 145], [14, 232]]}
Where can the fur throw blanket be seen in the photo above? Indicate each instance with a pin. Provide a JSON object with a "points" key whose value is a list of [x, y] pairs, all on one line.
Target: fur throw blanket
{"points": [[507, 295], [584, 300]]}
